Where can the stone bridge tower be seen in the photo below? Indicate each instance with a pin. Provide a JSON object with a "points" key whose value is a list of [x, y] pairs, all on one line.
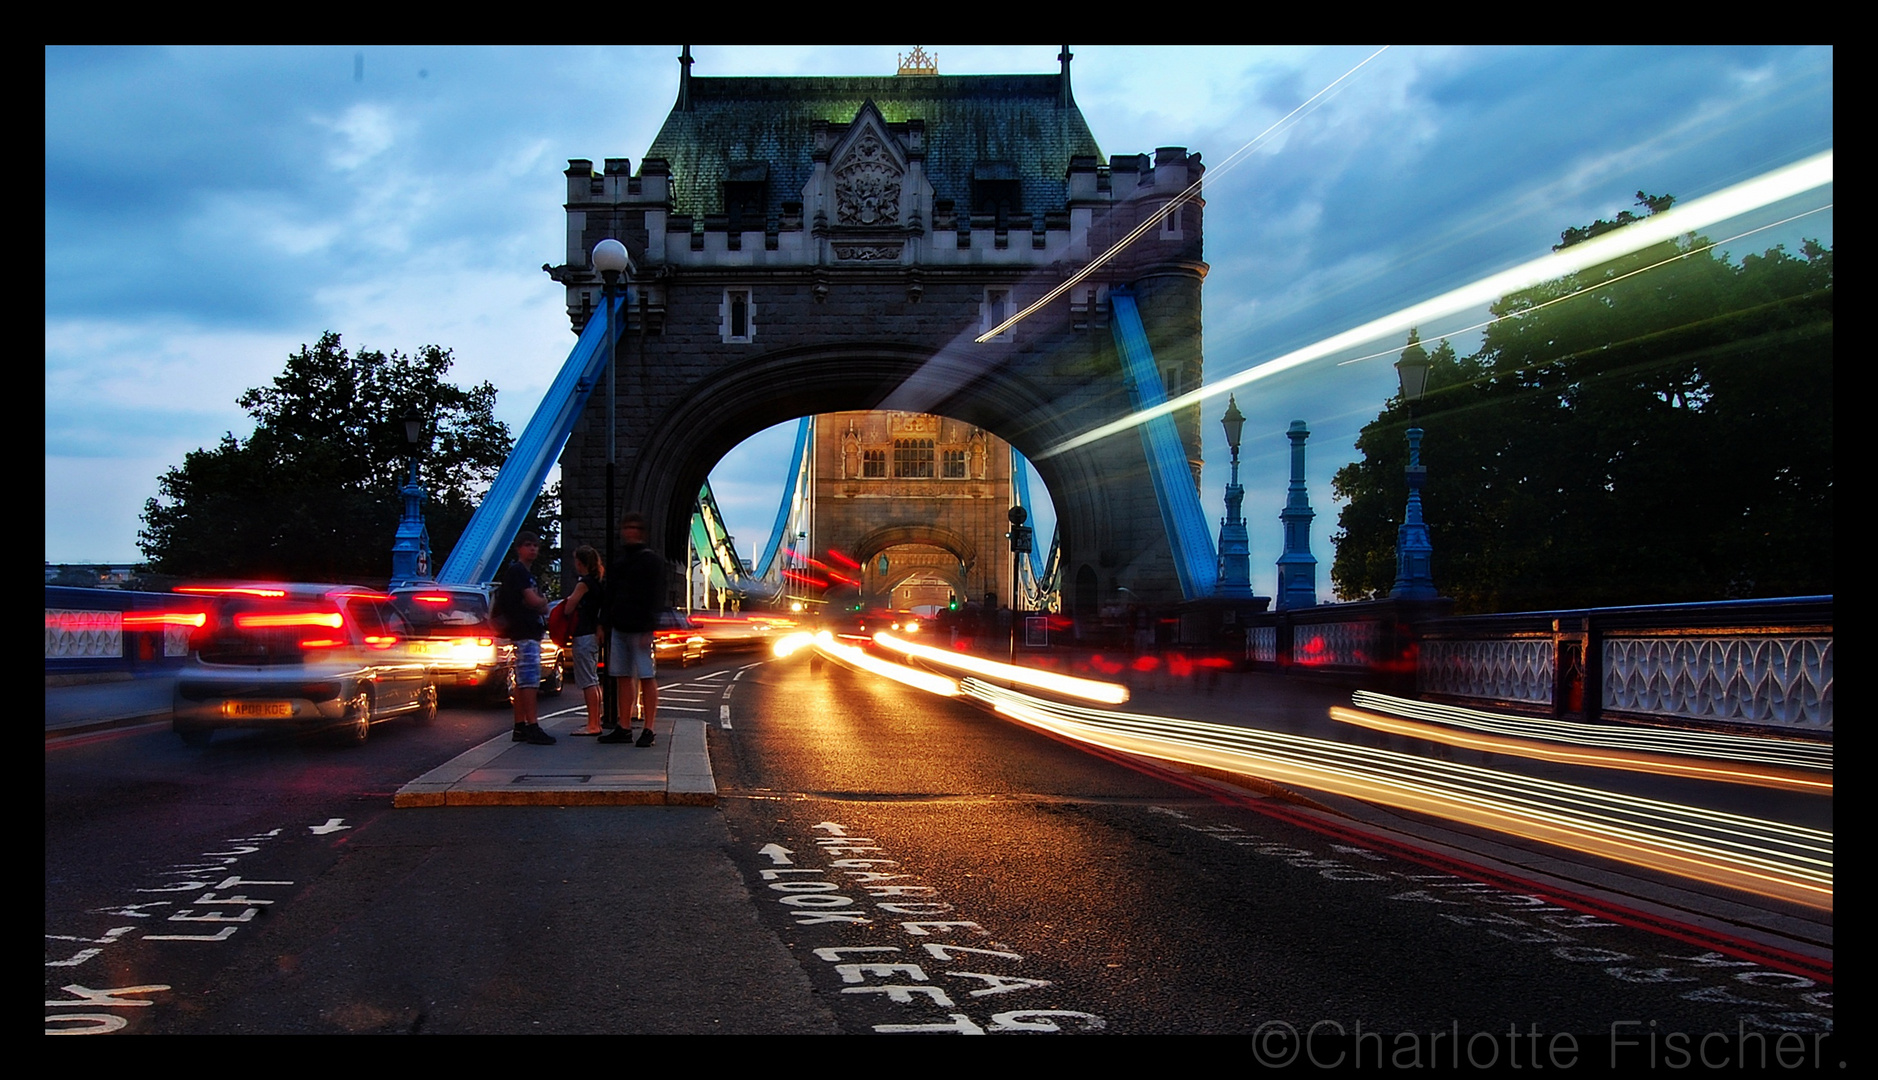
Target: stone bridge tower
{"points": [[810, 245]]}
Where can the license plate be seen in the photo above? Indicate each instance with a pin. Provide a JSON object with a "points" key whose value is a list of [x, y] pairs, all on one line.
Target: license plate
{"points": [[268, 709], [429, 648]]}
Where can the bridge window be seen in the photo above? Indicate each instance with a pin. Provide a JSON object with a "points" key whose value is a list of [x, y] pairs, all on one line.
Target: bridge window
{"points": [[737, 317], [954, 464], [912, 459], [997, 308], [874, 464], [1170, 223]]}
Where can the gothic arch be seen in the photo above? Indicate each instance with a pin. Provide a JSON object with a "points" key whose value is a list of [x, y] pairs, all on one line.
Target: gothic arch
{"points": [[702, 422]]}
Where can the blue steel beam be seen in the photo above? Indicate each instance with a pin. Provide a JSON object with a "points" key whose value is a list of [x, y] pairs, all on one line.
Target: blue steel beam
{"points": [[1020, 484], [1195, 562], [790, 494], [478, 553]]}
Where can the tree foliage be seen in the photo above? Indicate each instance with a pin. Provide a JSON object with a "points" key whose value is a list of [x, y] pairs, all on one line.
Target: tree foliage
{"points": [[312, 494], [1660, 437]]}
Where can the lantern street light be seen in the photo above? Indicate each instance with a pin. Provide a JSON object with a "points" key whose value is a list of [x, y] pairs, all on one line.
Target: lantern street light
{"points": [[1413, 549], [1235, 548], [1020, 546], [410, 549]]}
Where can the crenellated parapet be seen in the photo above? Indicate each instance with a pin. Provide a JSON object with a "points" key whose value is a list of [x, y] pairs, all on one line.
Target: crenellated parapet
{"points": [[870, 200]]}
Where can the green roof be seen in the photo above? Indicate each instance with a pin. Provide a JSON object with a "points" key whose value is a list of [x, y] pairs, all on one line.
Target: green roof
{"points": [[969, 119]]}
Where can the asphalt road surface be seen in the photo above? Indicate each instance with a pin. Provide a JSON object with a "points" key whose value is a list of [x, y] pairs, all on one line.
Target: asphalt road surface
{"points": [[880, 861]]}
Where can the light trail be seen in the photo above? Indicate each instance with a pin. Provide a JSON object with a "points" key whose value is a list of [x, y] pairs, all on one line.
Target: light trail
{"points": [[1768, 858], [854, 657], [1394, 350], [1731, 202], [1622, 759], [1184, 197], [1718, 746], [1107, 693]]}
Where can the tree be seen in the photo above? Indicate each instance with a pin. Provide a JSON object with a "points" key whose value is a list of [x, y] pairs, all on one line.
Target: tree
{"points": [[1655, 438], [312, 494]]}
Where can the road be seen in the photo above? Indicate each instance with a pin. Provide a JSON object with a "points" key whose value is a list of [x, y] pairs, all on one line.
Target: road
{"points": [[880, 861]]}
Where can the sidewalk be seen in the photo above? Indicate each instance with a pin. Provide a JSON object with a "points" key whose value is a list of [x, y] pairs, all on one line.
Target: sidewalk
{"points": [[577, 771]]}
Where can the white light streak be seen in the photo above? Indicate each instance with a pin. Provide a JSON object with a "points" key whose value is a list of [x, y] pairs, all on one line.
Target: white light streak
{"points": [[1718, 746], [1768, 858], [1107, 693], [1185, 196], [1742, 198], [1678, 257], [854, 657]]}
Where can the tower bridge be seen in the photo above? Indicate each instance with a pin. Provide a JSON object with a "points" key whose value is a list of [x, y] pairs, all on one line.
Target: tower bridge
{"points": [[818, 245]]}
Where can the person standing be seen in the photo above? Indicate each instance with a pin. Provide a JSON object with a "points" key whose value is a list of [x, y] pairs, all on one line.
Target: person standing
{"points": [[521, 606], [585, 601], [634, 595]]}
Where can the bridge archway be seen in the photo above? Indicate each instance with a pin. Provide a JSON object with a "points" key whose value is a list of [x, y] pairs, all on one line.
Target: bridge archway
{"points": [[713, 417]]}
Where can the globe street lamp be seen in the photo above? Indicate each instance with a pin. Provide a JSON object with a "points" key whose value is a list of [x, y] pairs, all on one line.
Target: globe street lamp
{"points": [[614, 266], [1413, 549]]}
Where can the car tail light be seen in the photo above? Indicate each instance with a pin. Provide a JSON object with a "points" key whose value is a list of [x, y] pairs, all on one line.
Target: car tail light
{"points": [[231, 590], [151, 620], [330, 620], [381, 641]]}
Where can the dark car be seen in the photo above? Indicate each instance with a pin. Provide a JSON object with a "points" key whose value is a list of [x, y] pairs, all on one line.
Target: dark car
{"points": [[451, 631], [676, 640], [298, 657]]}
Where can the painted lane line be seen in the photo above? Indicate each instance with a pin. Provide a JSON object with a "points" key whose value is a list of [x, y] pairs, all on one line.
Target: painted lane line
{"points": [[723, 717]]}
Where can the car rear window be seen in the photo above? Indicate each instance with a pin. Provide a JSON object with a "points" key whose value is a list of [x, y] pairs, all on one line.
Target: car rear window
{"points": [[437, 612], [261, 631]]}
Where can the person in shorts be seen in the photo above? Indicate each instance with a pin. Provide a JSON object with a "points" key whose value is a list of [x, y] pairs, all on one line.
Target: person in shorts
{"points": [[522, 607], [585, 601], [634, 595]]}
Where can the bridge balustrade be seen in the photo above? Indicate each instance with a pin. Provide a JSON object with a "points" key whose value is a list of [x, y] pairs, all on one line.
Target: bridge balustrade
{"points": [[1757, 665]]}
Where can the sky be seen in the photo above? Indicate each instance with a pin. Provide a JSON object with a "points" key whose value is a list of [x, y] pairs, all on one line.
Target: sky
{"points": [[210, 210]]}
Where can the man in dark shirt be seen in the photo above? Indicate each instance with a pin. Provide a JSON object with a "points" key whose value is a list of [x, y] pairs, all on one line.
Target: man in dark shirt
{"points": [[521, 606], [634, 593]]}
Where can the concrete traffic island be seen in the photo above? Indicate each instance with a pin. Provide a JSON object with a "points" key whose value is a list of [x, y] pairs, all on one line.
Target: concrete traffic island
{"points": [[576, 771]]}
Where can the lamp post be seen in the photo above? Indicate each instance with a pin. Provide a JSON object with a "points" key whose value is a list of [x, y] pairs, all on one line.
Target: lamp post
{"points": [[1413, 549], [1235, 549], [1020, 544], [410, 551], [614, 266]]}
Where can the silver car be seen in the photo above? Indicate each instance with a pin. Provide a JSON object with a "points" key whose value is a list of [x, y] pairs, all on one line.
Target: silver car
{"points": [[452, 632], [298, 657]]}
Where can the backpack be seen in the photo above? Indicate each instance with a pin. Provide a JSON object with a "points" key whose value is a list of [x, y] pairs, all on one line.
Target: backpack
{"points": [[561, 623]]}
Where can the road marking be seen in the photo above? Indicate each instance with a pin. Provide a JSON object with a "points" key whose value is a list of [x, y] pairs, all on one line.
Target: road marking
{"points": [[723, 717]]}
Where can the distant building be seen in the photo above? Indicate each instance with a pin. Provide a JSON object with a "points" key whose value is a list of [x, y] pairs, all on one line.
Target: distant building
{"points": [[917, 502], [91, 575]]}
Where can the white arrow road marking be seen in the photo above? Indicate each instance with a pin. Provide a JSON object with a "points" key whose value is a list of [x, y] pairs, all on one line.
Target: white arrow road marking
{"points": [[332, 825], [778, 855]]}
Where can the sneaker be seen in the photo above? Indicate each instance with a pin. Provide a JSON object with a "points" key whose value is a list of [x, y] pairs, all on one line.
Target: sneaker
{"points": [[645, 738], [620, 734], [521, 733], [532, 733]]}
